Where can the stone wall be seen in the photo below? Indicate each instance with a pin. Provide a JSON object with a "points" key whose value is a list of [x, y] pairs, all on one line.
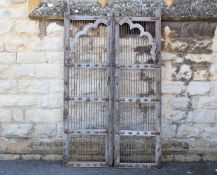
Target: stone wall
{"points": [[31, 87]]}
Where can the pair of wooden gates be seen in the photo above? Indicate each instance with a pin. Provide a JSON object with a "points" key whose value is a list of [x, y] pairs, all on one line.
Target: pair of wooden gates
{"points": [[112, 91]]}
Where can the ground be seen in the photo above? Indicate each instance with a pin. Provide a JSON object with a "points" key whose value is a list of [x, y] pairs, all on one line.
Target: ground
{"points": [[56, 168]]}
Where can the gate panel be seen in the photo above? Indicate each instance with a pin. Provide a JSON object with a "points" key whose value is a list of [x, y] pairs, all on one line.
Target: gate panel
{"points": [[112, 91], [137, 99], [87, 103]]}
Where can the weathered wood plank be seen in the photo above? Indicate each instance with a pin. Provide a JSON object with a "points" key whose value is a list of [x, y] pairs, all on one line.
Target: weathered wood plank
{"points": [[87, 99], [137, 165], [158, 85], [111, 58], [117, 91], [86, 164], [88, 65], [66, 81], [139, 133], [139, 100], [86, 132]]}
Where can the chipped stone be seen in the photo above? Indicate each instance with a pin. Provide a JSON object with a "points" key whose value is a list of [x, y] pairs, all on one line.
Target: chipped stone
{"points": [[185, 72]]}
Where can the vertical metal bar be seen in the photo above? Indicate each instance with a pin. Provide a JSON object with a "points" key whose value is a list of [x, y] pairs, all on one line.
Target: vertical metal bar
{"points": [[116, 106], [158, 87], [66, 81]]}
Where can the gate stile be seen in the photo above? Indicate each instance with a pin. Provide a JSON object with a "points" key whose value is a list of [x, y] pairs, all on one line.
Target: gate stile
{"points": [[112, 91]]}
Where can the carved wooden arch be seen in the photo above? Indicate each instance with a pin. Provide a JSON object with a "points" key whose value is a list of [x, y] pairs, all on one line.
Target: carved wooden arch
{"points": [[86, 29], [151, 42]]}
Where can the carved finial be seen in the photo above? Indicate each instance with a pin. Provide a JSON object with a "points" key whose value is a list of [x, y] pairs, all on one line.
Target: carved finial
{"points": [[103, 2], [169, 3]]}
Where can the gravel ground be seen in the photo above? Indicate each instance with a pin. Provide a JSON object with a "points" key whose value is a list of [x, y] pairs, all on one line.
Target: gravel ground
{"points": [[56, 168]]}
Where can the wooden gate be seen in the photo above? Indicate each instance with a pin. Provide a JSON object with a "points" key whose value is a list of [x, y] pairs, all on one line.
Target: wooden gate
{"points": [[111, 91]]}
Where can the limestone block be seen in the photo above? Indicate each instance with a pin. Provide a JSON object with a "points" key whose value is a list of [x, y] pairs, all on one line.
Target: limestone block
{"points": [[17, 12], [52, 101], [185, 72], [26, 26], [18, 115], [7, 58], [17, 130], [168, 131], [214, 88], [52, 157], [168, 33], [197, 58], [5, 115], [169, 100], [23, 71], [178, 146], [19, 146], [202, 146], [167, 71], [60, 130], [180, 103], [210, 132], [202, 75], [44, 130], [43, 115], [169, 56], [187, 158], [199, 88], [19, 100], [2, 46], [8, 87], [175, 46], [188, 131], [202, 116], [50, 44], [34, 86], [31, 57], [40, 86], [9, 156], [20, 42], [3, 3], [5, 26], [31, 157], [188, 29], [55, 57], [3, 145], [35, 146], [40, 58], [173, 116], [210, 157], [169, 87], [166, 98], [17, 1], [206, 102], [213, 70], [195, 46], [4, 71], [49, 71], [167, 158]]}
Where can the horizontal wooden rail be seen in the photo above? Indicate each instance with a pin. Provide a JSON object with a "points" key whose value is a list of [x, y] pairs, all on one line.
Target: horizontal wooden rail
{"points": [[86, 131]]}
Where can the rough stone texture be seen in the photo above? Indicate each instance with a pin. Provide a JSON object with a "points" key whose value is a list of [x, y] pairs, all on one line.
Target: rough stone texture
{"points": [[180, 8], [17, 130]]}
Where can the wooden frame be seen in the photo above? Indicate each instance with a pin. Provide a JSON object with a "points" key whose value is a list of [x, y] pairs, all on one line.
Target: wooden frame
{"points": [[114, 133]]}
